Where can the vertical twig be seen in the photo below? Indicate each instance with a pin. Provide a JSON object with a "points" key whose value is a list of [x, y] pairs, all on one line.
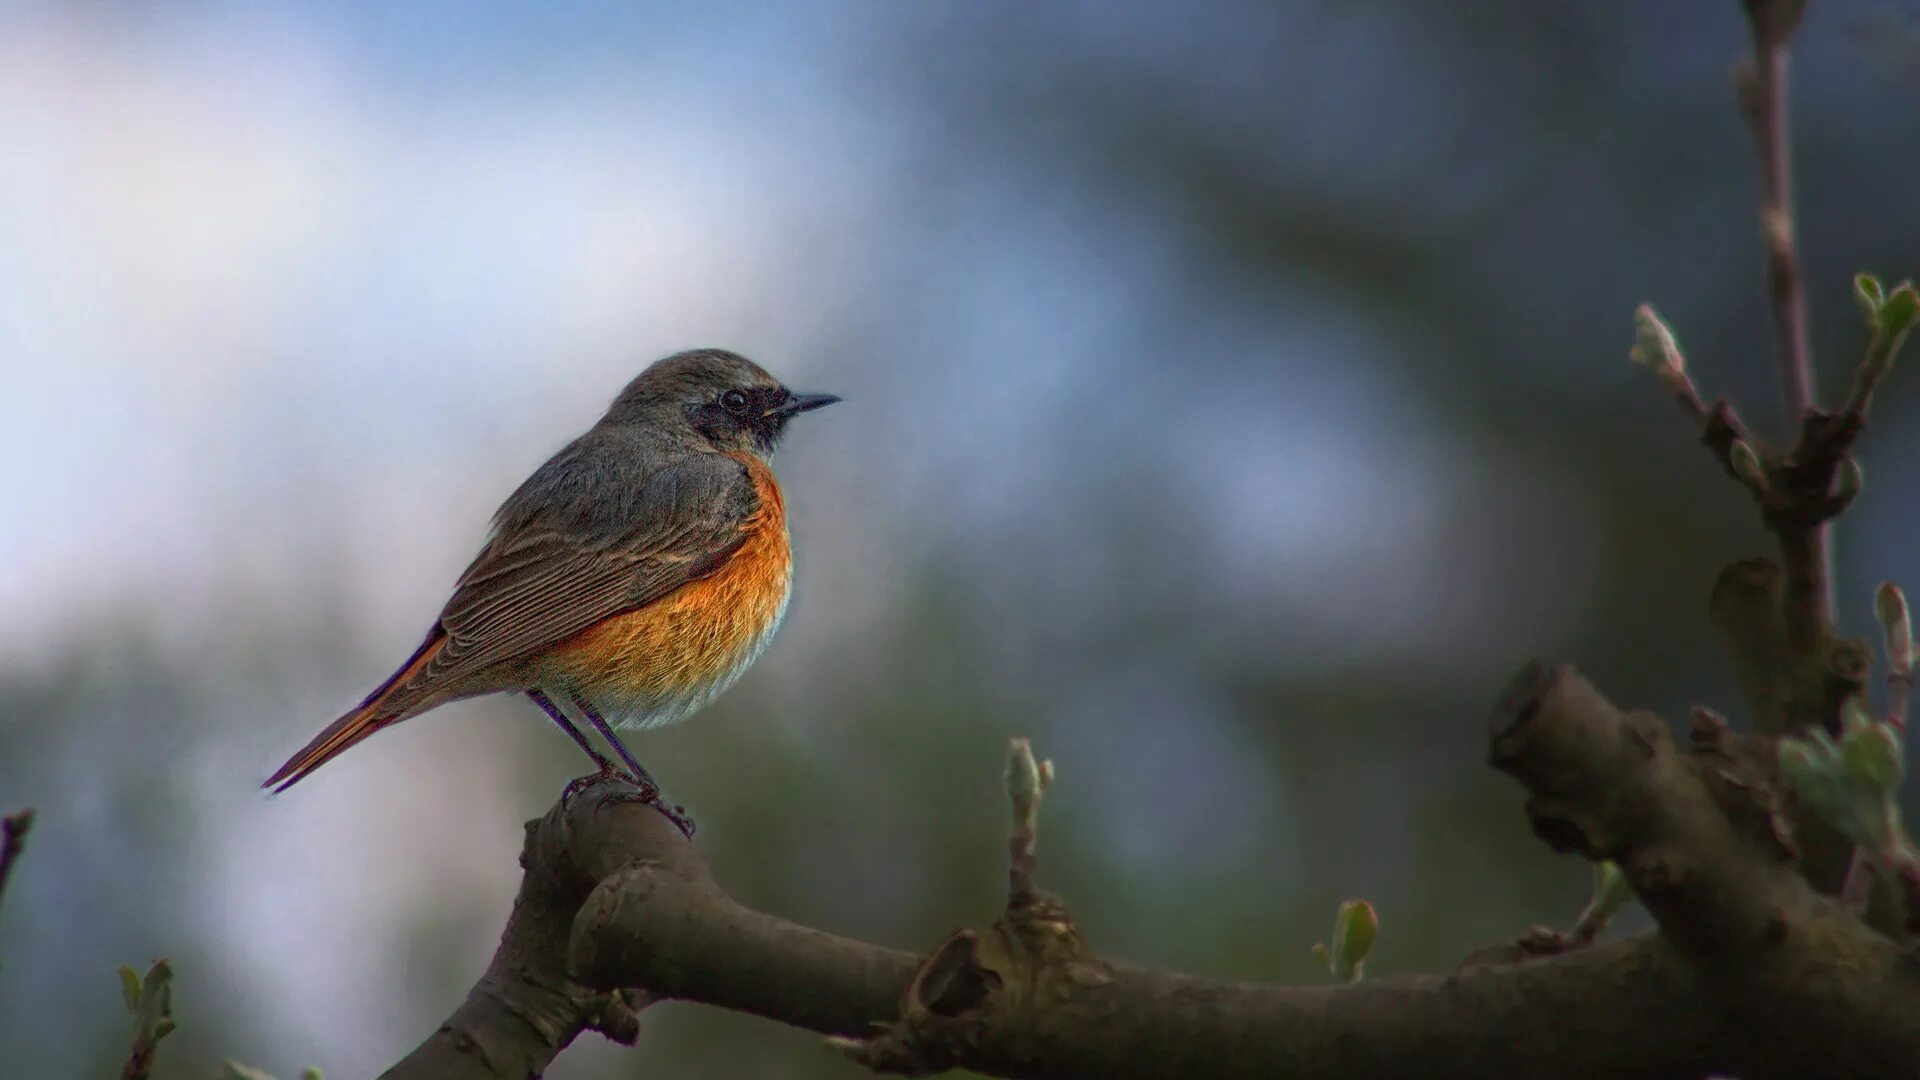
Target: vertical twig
{"points": [[1763, 99], [1899, 690], [1762, 84], [1026, 782], [1896, 628]]}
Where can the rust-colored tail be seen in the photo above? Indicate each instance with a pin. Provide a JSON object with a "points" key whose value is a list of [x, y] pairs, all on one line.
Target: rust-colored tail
{"points": [[376, 712]]}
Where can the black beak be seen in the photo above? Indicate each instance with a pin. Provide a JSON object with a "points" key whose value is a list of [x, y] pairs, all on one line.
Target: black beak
{"points": [[799, 403]]}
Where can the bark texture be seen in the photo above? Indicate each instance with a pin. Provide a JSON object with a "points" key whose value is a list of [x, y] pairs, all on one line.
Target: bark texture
{"points": [[1752, 972]]}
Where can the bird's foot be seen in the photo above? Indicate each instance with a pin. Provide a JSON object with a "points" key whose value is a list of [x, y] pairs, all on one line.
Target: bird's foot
{"points": [[632, 789], [581, 783], [678, 815], [648, 794]]}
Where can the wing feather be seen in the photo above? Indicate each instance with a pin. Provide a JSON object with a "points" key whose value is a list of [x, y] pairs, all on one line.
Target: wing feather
{"points": [[559, 567]]}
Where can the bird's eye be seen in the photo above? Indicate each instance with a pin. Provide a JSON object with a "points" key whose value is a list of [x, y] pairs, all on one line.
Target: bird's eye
{"points": [[734, 401]]}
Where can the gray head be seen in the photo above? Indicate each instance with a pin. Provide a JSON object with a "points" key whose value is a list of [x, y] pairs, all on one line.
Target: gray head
{"points": [[714, 397]]}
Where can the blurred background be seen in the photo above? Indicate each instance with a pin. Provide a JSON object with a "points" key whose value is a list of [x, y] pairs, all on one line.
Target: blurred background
{"points": [[1235, 396]]}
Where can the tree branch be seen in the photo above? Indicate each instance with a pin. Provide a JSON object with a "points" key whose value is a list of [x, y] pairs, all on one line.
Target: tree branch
{"points": [[1751, 973], [526, 1009], [13, 840]]}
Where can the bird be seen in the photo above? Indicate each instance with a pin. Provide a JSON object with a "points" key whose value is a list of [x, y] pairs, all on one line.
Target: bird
{"points": [[632, 578]]}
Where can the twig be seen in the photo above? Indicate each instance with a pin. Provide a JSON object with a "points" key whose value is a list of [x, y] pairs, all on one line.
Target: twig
{"points": [[1866, 379], [1896, 626], [1762, 87], [1026, 783], [1721, 431], [149, 1002], [13, 840], [1609, 895]]}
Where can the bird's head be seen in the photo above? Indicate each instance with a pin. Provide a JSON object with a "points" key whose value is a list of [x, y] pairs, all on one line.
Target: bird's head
{"points": [[721, 398]]}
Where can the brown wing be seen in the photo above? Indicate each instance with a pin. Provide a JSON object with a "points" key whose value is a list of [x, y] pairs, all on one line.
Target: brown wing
{"points": [[565, 556]]}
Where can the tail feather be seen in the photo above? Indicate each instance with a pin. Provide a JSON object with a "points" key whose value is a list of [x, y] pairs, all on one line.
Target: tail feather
{"points": [[328, 745], [379, 710]]}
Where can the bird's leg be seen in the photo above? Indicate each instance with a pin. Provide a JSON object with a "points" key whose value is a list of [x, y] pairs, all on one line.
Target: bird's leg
{"points": [[640, 775], [649, 791], [578, 783]]}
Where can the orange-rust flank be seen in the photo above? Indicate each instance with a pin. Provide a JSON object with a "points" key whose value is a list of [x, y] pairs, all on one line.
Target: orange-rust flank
{"points": [[698, 632]]}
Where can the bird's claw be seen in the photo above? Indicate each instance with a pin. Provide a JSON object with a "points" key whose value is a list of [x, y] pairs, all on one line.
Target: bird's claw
{"points": [[649, 795], [632, 790], [679, 816], [581, 783]]}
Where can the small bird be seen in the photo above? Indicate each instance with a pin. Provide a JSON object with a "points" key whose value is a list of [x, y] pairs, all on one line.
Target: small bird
{"points": [[631, 578]]}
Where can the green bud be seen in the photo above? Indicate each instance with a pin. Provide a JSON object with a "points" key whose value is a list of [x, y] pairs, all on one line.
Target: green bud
{"points": [[1891, 322], [1849, 480], [130, 988], [1610, 889], [1890, 605], [1869, 295], [1901, 311], [1811, 775], [1654, 345], [1746, 465], [150, 1000], [1872, 757], [1026, 779], [1354, 928]]}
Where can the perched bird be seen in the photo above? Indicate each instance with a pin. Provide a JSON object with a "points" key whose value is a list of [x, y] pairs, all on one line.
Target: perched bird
{"points": [[630, 579]]}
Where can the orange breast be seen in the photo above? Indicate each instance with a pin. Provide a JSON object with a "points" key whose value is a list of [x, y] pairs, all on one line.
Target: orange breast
{"points": [[706, 630]]}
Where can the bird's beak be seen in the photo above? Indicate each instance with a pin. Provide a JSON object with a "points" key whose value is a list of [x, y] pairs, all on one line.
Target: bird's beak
{"points": [[799, 403]]}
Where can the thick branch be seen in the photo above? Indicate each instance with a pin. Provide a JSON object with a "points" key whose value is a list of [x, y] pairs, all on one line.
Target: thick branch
{"points": [[1789, 687], [1752, 974], [1697, 833], [525, 1009], [667, 925], [670, 928], [1701, 838]]}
